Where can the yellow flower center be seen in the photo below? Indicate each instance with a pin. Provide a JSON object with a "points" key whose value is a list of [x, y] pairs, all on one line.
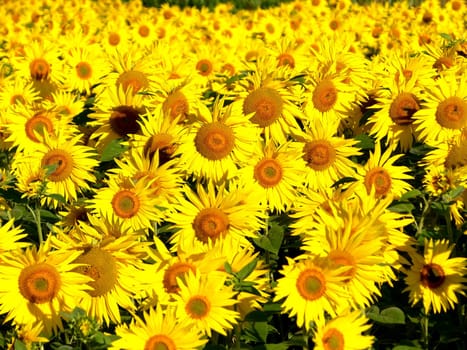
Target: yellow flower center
{"points": [[324, 95], [198, 307], [62, 162], [100, 265], [380, 179], [176, 104], [268, 172], [333, 340], [39, 69], [124, 120], [204, 67], [403, 108], [84, 70], [125, 204], [452, 113], [160, 342], [133, 79], [432, 276], [174, 271], [311, 284], [39, 123], [319, 154], [267, 105], [215, 141], [210, 223], [39, 283]]}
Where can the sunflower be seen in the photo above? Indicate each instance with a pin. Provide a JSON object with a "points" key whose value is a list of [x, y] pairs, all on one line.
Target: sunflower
{"points": [[327, 157], [68, 166], [345, 331], [28, 334], [160, 135], [84, 68], [158, 329], [217, 145], [114, 266], [114, 36], [206, 302], [213, 212], [172, 268], [38, 284], [66, 104], [10, 237], [443, 113], [269, 100], [27, 125], [131, 202], [276, 172], [17, 91], [117, 113], [393, 119], [310, 289], [435, 278], [380, 176]]}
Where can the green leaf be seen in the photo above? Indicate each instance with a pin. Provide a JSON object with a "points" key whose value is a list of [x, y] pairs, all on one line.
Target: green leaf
{"points": [[406, 347], [276, 235], [228, 268], [57, 197], [453, 194], [113, 150], [247, 269], [343, 181], [272, 307], [446, 36], [257, 316], [402, 207], [390, 315], [411, 194], [260, 330], [364, 141], [19, 345]]}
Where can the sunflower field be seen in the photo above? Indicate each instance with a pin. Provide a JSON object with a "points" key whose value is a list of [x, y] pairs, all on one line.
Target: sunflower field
{"points": [[214, 177]]}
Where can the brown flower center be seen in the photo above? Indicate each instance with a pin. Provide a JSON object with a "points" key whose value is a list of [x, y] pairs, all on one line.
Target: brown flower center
{"points": [[39, 69], [100, 265], [333, 340], [267, 105], [124, 120], [319, 154], [160, 342], [210, 223], [133, 79], [39, 283], [176, 104], [198, 307], [162, 143], [125, 204], [403, 108], [324, 95], [311, 284], [215, 140], [114, 39], [204, 67], [452, 113], [40, 124], [432, 276], [174, 271], [144, 31], [380, 179], [342, 258], [84, 70], [268, 172], [286, 59], [62, 163]]}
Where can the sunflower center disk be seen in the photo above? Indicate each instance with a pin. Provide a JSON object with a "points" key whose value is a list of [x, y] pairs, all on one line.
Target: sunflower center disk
{"points": [[210, 223], [432, 276], [403, 108], [39, 124], [175, 271], [39, 69], [114, 39], [176, 104], [100, 265], [198, 307], [267, 105], [134, 79], [319, 154], [324, 96], [452, 113], [268, 172], [124, 120], [311, 284], [84, 70], [342, 258], [39, 283], [162, 143], [61, 162], [286, 59], [333, 340], [160, 342], [204, 67], [215, 141], [380, 179], [125, 204]]}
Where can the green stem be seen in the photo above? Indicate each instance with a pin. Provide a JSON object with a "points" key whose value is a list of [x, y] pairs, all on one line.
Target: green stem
{"points": [[424, 214], [238, 332], [36, 214], [425, 326], [447, 218], [305, 338]]}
